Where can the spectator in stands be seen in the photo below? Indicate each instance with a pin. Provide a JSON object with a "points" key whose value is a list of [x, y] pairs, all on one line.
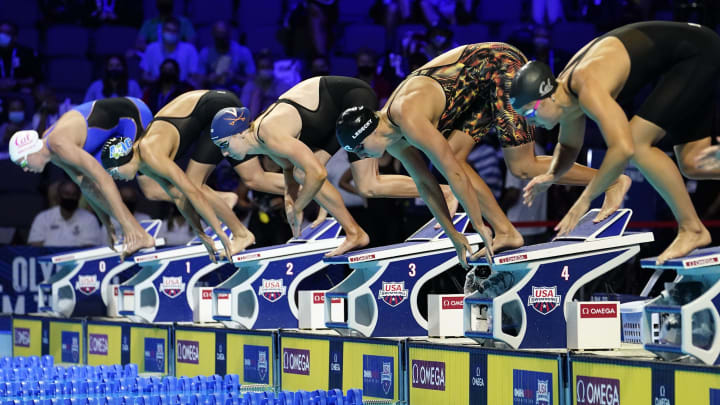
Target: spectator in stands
{"points": [[49, 110], [167, 87], [320, 66], [115, 82], [152, 29], [66, 224], [225, 64], [439, 41], [19, 65], [18, 120], [170, 47], [265, 88], [367, 71], [390, 13]]}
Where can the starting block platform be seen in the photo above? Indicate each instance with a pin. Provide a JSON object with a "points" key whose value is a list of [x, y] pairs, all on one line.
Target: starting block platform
{"points": [[162, 291], [684, 319], [274, 274], [393, 275], [524, 302], [80, 287]]}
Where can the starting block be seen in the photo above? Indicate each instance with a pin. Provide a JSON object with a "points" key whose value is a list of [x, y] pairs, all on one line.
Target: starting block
{"points": [[525, 300], [684, 319], [273, 273], [80, 287], [394, 275], [162, 291]]}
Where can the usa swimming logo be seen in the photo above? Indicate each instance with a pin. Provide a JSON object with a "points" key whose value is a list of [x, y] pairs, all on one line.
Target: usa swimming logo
{"points": [[393, 293], [272, 290], [172, 286], [87, 284], [544, 299]]}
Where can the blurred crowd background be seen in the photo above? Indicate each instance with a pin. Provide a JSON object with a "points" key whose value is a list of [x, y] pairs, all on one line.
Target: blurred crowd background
{"points": [[58, 53]]}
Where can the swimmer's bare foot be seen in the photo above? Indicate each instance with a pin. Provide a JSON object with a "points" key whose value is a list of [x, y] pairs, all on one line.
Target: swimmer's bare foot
{"points": [[684, 243], [353, 240], [138, 240], [503, 242], [229, 198], [241, 242], [614, 196]]}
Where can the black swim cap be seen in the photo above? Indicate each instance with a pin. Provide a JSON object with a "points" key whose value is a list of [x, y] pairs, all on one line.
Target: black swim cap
{"points": [[534, 81], [116, 151], [354, 125]]}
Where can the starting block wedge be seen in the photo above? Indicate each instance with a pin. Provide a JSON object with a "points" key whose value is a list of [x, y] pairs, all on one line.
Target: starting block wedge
{"points": [[524, 301], [81, 286]]}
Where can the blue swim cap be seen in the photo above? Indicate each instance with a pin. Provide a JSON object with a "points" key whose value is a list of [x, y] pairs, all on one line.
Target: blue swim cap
{"points": [[228, 122]]}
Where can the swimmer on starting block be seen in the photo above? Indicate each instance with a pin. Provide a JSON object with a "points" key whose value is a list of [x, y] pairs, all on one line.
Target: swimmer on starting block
{"points": [[442, 109], [684, 60], [183, 122], [74, 144], [298, 132]]}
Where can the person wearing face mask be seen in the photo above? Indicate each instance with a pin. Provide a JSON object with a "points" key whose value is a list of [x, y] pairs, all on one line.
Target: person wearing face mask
{"points": [[65, 224], [74, 144], [167, 87], [115, 82], [19, 65], [17, 121], [265, 88], [170, 46], [151, 29], [226, 63], [367, 72]]}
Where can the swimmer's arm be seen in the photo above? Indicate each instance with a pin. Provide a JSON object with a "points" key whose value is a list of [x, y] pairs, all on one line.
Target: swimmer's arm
{"points": [[95, 183], [162, 167], [303, 158], [421, 133], [570, 141], [372, 184], [599, 105], [255, 177], [425, 182], [181, 202]]}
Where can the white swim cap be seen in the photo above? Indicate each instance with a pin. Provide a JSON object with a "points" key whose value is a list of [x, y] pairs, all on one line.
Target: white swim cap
{"points": [[24, 143]]}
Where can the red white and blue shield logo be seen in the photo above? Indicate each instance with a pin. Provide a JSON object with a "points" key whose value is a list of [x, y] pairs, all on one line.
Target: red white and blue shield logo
{"points": [[544, 299], [393, 293], [272, 290], [172, 286], [87, 284]]}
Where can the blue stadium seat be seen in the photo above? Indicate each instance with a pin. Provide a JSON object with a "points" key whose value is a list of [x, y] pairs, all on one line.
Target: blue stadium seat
{"points": [[113, 39], [29, 37], [494, 11], [204, 12], [350, 10], [357, 36], [471, 34], [69, 74], [66, 40], [264, 37], [571, 36], [23, 13], [343, 66], [251, 14]]}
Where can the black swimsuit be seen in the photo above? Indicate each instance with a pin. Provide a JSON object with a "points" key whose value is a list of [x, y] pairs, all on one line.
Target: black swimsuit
{"points": [[683, 60], [336, 95], [195, 128]]}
